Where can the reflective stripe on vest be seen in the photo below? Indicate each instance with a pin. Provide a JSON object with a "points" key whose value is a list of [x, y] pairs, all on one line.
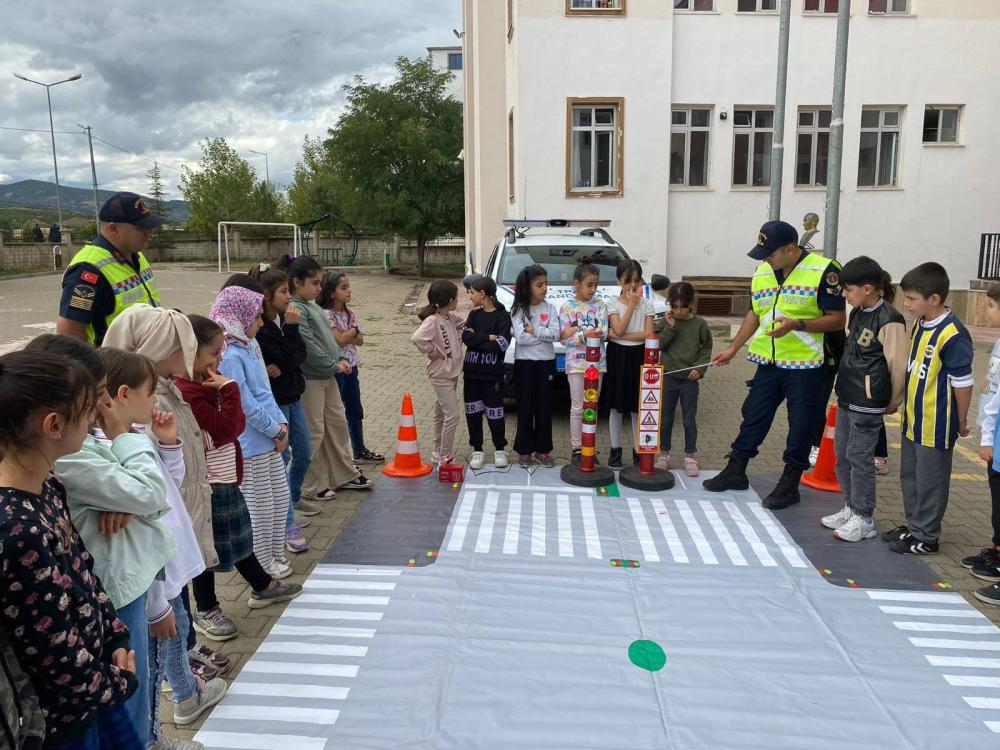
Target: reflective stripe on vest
{"points": [[128, 286], [796, 298]]}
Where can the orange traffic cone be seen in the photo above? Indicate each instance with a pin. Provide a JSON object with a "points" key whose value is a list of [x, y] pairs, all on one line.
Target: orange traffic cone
{"points": [[407, 462], [823, 477]]}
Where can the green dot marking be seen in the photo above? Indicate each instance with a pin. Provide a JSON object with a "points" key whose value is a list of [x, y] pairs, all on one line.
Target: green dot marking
{"points": [[647, 655]]}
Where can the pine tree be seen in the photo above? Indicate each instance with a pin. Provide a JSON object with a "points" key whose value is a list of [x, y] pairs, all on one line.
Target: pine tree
{"points": [[158, 205]]}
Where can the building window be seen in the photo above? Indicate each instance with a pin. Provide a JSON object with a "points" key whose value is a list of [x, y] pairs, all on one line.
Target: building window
{"points": [[756, 6], [689, 146], [820, 6], [812, 147], [454, 61], [595, 7], [879, 7], [697, 5], [510, 157], [941, 124], [753, 130], [594, 146], [878, 159]]}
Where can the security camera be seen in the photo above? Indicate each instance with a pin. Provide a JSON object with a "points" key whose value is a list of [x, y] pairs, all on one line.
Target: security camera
{"points": [[723, 114], [457, 33]]}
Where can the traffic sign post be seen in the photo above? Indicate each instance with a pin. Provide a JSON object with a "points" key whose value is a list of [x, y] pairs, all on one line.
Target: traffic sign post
{"points": [[647, 476]]}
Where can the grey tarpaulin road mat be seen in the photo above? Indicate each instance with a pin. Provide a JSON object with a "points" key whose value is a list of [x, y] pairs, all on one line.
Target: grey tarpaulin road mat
{"points": [[712, 629]]}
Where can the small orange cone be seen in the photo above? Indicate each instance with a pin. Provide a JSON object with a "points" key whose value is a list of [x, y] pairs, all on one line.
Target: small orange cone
{"points": [[407, 462], [823, 476]]}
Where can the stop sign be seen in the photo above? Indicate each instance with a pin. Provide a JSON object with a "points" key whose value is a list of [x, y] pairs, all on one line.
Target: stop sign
{"points": [[651, 375]]}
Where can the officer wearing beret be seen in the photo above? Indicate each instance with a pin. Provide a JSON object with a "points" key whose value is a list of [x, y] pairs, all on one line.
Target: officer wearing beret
{"points": [[111, 273], [795, 302]]}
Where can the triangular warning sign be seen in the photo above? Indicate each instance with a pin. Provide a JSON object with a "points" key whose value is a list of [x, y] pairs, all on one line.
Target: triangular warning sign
{"points": [[650, 399], [649, 419]]}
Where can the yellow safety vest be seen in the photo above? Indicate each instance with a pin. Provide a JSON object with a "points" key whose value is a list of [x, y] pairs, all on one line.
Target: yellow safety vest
{"points": [[129, 287], [797, 298]]}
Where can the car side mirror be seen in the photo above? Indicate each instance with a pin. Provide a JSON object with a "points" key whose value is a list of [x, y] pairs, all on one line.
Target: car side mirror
{"points": [[659, 282]]}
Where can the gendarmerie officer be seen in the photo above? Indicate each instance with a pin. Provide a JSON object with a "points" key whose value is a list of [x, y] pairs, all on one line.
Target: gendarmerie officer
{"points": [[795, 301], [111, 273]]}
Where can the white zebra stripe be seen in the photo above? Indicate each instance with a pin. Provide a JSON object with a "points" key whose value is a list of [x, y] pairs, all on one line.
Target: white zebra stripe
{"points": [[462, 521], [246, 741], [694, 530], [728, 543], [965, 680], [590, 533], [915, 596], [778, 535], [271, 646], [980, 702], [953, 644], [322, 716], [945, 627], [486, 523], [318, 670], [750, 534], [318, 630], [674, 545], [288, 690], [329, 583], [375, 601], [565, 528], [642, 531], [513, 524], [305, 613], [971, 662], [538, 524], [931, 612]]}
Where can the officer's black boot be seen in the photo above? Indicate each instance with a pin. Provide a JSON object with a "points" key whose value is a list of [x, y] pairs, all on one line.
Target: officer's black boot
{"points": [[733, 477], [786, 492]]}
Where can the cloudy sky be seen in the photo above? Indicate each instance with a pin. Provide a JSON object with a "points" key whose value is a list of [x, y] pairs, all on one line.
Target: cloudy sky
{"points": [[158, 77]]}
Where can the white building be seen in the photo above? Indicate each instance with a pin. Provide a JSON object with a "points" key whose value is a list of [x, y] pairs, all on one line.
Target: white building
{"points": [[450, 59], [658, 114]]}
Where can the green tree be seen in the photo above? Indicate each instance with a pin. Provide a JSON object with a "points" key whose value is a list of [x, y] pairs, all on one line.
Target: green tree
{"points": [[394, 154], [221, 189], [162, 237], [314, 189]]}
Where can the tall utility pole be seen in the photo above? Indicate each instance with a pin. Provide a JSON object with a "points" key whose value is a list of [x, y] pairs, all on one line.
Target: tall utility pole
{"points": [[52, 131], [93, 174], [778, 144], [267, 172], [832, 219]]}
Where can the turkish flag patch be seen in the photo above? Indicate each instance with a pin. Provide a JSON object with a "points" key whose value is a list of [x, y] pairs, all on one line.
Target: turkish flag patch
{"points": [[89, 277]]}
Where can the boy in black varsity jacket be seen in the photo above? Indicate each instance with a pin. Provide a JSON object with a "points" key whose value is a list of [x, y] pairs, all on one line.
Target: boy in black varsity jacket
{"points": [[869, 385]]}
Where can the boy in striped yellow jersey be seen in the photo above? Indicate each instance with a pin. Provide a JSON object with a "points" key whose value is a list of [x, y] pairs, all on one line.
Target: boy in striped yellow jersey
{"points": [[936, 397]]}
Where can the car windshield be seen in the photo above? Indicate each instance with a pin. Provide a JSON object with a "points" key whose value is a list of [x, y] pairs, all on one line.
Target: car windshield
{"points": [[559, 262]]}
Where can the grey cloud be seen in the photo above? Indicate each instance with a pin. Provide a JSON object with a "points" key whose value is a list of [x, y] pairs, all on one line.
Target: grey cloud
{"points": [[261, 73]]}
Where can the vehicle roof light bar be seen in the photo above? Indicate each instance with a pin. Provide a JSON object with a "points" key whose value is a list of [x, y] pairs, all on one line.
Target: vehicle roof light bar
{"points": [[556, 223]]}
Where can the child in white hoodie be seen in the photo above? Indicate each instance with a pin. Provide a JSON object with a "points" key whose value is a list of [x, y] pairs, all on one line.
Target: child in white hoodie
{"points": [[440, 338]]}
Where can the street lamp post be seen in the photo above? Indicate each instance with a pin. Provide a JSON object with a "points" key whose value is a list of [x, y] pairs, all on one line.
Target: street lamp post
{"points": [[267, 173], [52, 132]]}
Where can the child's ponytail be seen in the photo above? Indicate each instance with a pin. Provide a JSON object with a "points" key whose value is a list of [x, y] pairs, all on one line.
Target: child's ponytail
{"points": [[863, 270], [440, 294], [888, 290]]}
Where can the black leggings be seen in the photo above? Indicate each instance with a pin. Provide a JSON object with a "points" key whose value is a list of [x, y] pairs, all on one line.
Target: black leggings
{"points": [[203, 584]]}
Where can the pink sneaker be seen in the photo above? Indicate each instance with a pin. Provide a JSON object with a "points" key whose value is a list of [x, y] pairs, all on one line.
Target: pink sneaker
{"points": [[691, 466], [662, 462]]}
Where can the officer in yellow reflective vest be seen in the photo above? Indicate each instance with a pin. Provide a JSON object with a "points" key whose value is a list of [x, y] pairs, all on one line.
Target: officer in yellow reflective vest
{"points": [[111, 273], [795, 300]]}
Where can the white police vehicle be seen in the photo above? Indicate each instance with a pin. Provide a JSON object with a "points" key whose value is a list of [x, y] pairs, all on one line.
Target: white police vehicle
{"points": [[560, 254]]}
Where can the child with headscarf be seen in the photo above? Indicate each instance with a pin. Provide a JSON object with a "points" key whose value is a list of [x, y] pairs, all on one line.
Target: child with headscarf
{"points": [[265, 485]]}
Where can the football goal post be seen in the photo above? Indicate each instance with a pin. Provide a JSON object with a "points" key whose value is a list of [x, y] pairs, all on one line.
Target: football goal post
{"points": [[223, 237]]}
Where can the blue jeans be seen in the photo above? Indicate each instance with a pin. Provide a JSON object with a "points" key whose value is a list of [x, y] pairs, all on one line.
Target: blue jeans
{"points": [[134, 617], [112, 730], [169, 659], [350, 394], [298, 453]]}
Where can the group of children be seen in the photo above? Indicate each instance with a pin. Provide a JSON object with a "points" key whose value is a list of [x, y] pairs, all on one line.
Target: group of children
{"points": [[622, 325], [185, 446]]}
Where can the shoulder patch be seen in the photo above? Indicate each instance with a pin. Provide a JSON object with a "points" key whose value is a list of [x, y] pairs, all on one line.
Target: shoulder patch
{"points": [[833, 278]]}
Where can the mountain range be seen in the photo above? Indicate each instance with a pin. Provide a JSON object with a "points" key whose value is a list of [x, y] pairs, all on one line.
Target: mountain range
{"points": [[41, 194]]}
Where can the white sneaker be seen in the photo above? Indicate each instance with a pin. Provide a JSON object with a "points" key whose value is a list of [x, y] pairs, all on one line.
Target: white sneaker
{"points": [[278, 571], [662, 462], [435, 457], [477, 460], [855, 529], [838, 519], [813, 455], [500, 459]]}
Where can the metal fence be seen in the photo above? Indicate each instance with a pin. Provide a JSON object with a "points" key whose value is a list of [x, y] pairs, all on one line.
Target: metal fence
{"points": [[989, 257]]}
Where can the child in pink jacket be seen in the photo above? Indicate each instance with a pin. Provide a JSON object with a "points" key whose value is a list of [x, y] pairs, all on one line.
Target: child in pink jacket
{"points": [[440, 338]]}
